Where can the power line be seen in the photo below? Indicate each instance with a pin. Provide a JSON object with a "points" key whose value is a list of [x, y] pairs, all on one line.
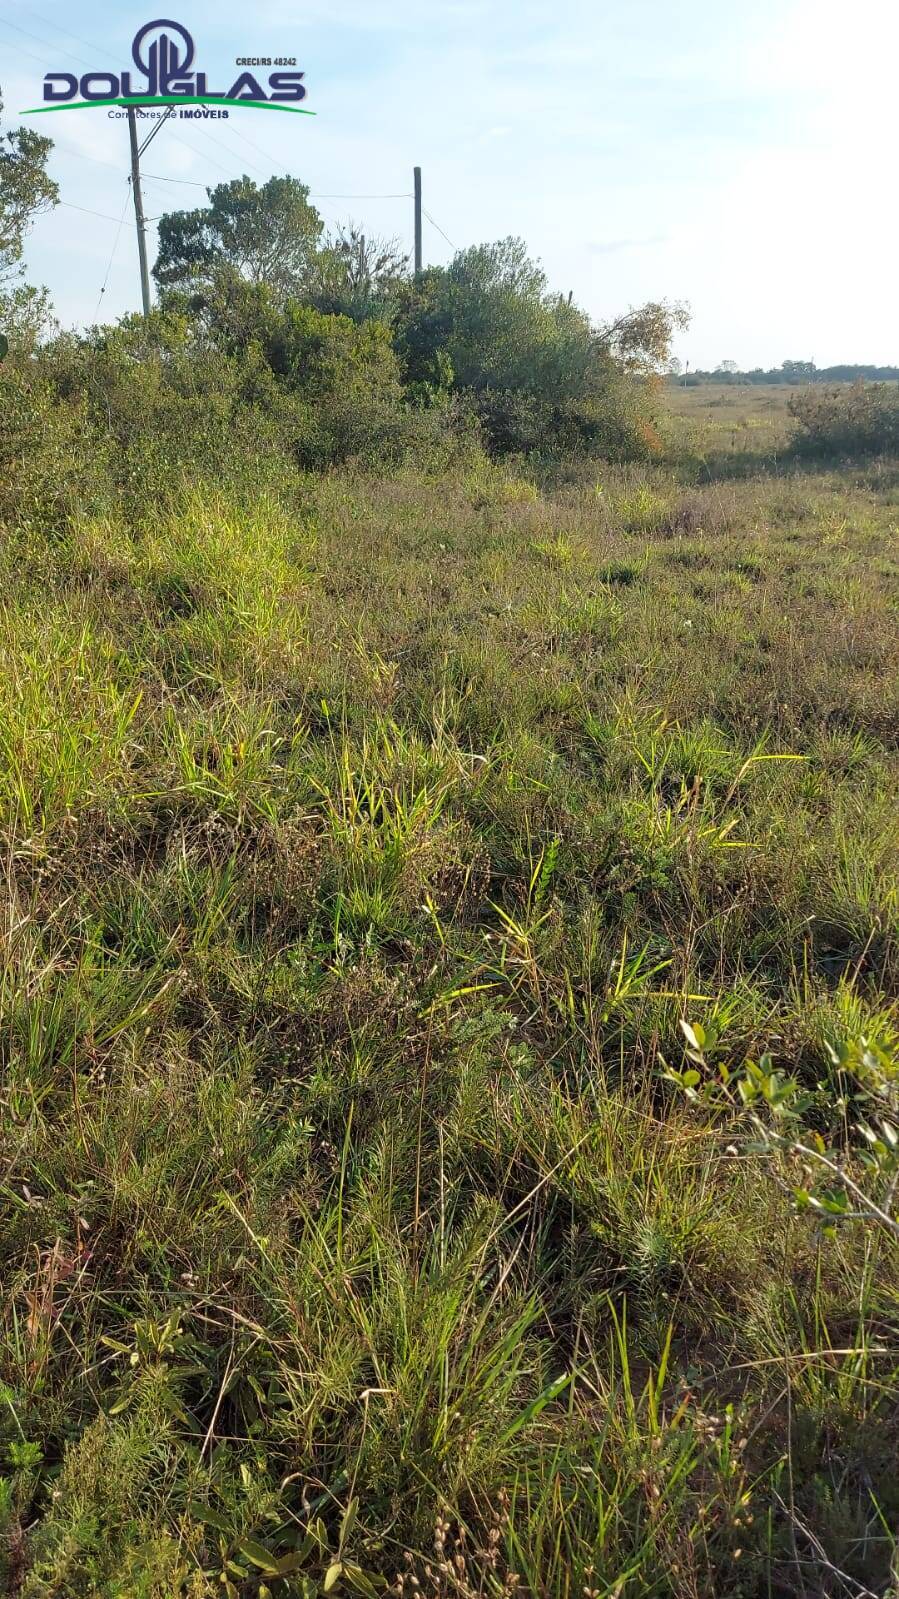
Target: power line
{"points": [[11, 45], [193, 151], [48, 42], [257, 147], [155, 128], [87, 212], [79, 38], [81, 155], [314, 194], [73, 56], [115, 245], [223, 144], [320, 196], [236, 153], [69, 35], [193, 182], [112, 166], [439, 229], [187, 182], [157, 177]]}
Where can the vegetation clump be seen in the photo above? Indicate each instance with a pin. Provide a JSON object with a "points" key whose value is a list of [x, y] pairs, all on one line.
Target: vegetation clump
{"points": [[857, 419]]}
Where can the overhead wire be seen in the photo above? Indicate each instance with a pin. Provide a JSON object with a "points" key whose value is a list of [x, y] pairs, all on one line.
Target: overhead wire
{"points": [[68, 33], [195, 182], [314, 194], [155, 129], [157, 177], [82, 155], [74, 56], [254, 146], [11, 45], [160, 178], [89, 213], [112, 253], [37, 37], [439, 229], [322, 196]]}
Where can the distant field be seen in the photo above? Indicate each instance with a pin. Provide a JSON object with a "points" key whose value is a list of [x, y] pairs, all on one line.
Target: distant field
{"points": [[728, 417], [370, 1217]]}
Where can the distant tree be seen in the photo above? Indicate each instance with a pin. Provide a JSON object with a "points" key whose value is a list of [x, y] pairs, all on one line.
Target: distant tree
{"points": [[266, 235], [798, 371], [26, 190], [729, 367]]}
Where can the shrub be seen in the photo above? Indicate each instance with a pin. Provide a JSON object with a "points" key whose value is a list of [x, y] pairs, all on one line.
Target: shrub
{"points": [[862, 419], [159, 410], [50, 463], [127, 414], [612, 425], [539, 377]]}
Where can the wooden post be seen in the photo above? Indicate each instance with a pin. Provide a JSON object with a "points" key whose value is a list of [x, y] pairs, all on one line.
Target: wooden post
{"points": [[139, 213], [417, 176]]}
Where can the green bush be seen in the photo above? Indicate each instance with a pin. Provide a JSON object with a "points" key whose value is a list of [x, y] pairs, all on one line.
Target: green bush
{"points": [[126, 415], [528, 364], [51, 463], [614, 425], [861, 419]]}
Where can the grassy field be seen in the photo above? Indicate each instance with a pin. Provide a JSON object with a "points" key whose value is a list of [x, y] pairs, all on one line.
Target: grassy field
{"points": [[725, 417], [364, 856], [753, 400]]}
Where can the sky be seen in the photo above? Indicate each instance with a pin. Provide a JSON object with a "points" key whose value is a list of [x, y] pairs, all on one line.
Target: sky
{"points": [[741, 158]]}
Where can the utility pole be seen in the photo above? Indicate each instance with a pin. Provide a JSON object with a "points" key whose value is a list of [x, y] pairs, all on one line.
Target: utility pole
{"points": [[139, 212], [417, 176]]}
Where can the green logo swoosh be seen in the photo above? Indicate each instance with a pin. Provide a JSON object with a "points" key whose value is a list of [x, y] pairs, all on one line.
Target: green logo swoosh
{"points": [[168, 99]]}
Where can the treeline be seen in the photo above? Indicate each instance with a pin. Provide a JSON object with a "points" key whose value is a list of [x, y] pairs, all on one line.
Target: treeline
{"points": [[253, 272], [790, 372], [276, 346]]}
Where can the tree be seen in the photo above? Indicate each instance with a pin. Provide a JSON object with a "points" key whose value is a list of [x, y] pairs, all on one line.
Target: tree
{"points": [[26, 190], [326, 355], [492, 317], [25, 313], [798, 371], [265, 235], [530, 365], [640, 341], [358, 274], [490, 321]]}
